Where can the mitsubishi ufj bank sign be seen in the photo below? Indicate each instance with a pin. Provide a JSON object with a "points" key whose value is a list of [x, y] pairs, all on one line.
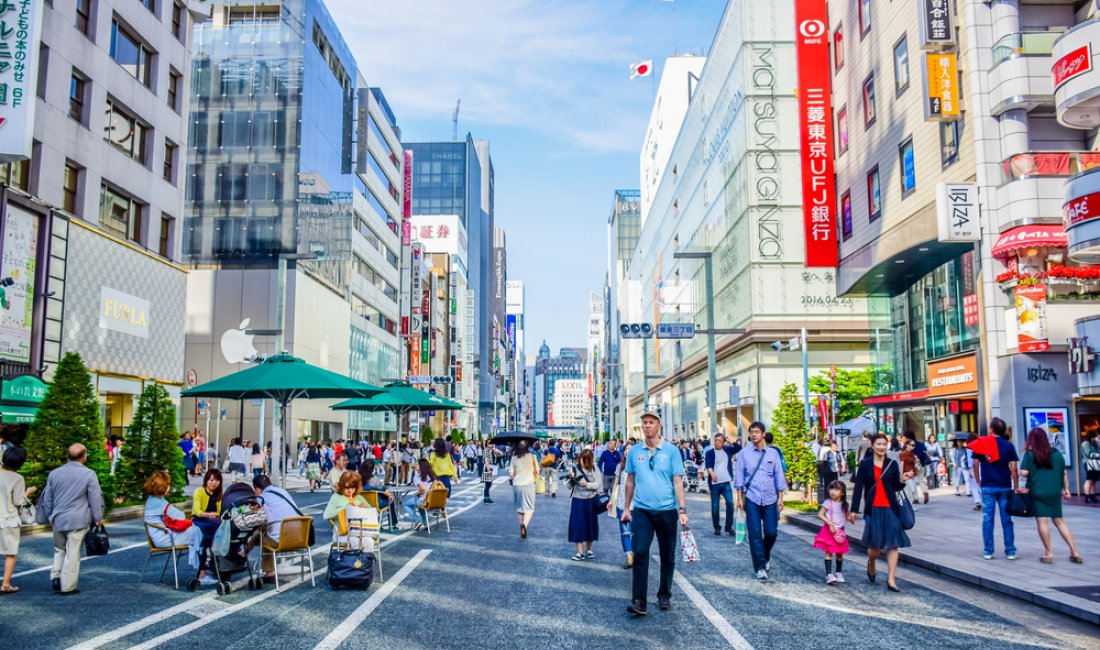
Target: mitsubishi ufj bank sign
{"points": [[816, 133], [20, 21]]}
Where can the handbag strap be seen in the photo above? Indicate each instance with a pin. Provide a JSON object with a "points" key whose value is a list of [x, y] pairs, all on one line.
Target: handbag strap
{"points": [[753, 475], [290, 503]]}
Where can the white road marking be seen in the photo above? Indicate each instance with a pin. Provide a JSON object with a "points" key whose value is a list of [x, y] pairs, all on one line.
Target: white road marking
{"points": [[83, 559], [342, 631], [183, 607], [717, 620]]}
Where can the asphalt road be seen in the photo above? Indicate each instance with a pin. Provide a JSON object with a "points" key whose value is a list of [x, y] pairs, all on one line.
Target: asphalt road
{"points": [[482, 586]]}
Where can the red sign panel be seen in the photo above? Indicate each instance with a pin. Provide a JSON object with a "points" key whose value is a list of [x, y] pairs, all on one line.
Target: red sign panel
{"points": [[1075, 63], [970, 310], [815, 116], [1082, 209]]}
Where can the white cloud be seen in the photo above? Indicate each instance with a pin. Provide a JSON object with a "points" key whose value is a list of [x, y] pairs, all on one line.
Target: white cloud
{"points": [[561, 68]]}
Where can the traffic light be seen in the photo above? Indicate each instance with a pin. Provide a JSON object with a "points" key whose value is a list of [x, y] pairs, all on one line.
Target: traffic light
{"points": [[636, 330]]}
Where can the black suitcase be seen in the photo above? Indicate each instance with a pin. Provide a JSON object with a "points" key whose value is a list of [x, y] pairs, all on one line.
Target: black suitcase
{"points": [[350, 569]]}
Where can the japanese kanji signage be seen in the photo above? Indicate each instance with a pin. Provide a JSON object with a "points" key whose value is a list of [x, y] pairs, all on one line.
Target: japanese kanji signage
{"points": [[407, 197], [439, 234], [941, 87], [816, 134], [937, 29], [20, 21]]}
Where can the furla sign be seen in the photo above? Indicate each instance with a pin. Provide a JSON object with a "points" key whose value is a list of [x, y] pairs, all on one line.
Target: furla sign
{"points": [[121, 312]]}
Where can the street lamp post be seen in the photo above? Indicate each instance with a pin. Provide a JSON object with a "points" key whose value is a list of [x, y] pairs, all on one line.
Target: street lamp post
{"points": [[803, 343]]}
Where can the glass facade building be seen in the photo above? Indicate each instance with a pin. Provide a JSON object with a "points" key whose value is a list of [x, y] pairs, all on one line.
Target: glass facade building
{"points": [[291, 156]]}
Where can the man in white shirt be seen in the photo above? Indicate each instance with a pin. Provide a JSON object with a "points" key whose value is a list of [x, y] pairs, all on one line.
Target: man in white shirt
{"points": [[278, 505]]}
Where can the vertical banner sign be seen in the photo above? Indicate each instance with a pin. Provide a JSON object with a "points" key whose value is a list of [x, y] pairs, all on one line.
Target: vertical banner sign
{"points": [[1031, 318], [20, 22], [18, 255], [937, 30], [942, 88], [406, 203], [957, 212], [815, 116]]}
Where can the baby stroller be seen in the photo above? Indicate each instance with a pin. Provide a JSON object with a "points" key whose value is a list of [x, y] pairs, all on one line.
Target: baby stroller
{"points": [[691, 474], [242, 515]]}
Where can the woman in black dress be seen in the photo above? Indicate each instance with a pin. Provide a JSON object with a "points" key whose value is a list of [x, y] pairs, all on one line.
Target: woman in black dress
{"points": [[878, 480]]}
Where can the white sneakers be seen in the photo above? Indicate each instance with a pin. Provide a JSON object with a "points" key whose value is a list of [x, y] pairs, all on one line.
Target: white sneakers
{"points": [[761, 575], [839, 577], [830, 579]]}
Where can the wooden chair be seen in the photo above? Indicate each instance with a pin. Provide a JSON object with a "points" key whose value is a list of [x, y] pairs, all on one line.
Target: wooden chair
{"points": [[373, 497], [363, 523], [435, 503], [293, 542], [169, 552]]}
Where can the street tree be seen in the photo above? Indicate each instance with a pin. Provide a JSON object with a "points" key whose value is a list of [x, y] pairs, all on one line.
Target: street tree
{"points": [[852, 387], [152, 444], [69, 414], [793, 437]]}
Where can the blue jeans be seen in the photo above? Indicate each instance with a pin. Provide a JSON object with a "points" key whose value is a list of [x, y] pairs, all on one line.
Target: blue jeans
{"points": [[645, 525], [624, 532], [719, 491], [997, 498], [761, 541], [446, 480]]}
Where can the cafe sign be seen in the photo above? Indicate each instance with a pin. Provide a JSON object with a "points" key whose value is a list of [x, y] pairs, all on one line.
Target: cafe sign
{"points": [[955, 376], [121, 312]]}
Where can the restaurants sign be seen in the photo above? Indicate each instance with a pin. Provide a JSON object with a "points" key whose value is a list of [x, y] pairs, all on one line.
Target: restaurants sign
{"points": [[957, 212], [1074, 63], [957, 376], [937, 29], [20, 21], [816, 133]]}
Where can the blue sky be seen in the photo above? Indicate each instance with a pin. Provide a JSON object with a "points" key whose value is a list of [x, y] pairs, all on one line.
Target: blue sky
{"points": [[547, 83]]}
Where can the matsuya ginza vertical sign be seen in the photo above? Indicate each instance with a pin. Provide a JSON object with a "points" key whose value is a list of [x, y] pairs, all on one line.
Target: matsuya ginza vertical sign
{"points": [[816, 133], [19, 27]]}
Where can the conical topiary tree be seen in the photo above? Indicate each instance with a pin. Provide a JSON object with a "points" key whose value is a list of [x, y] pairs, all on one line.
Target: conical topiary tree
{"points": [[426, 435], [69, 414], [152, 444], [789, 429]]}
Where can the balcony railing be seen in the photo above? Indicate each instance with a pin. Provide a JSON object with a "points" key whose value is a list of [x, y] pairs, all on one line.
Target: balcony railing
{"points": [[1048, 163], [1024, 43]]}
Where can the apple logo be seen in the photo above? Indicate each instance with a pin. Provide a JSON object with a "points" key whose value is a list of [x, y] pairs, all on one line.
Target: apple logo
{"points": [[237, 344]]}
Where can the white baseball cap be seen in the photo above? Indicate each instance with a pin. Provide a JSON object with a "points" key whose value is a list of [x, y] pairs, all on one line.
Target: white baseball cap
{"points": [[653, 414]]}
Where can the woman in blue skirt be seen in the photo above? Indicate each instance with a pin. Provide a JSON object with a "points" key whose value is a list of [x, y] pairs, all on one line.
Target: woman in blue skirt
{"points": [[878, 480], [584, 521]]}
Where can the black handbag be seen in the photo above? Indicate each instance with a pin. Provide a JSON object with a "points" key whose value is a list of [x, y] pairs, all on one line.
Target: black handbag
{"points": [[1021, 505], [350, 568], [906, 513], [601, 501], [96, 541]]}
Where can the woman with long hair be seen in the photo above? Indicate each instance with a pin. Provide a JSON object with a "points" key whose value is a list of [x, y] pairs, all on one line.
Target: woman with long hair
{"points": [[257, 461], [313, 466], [442, 464], [584, 521], [1044, 470], [878, 480], [522, 472], [422, 478]]}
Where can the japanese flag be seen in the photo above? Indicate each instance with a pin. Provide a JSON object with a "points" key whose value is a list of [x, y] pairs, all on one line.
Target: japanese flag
{"points": [[643, 69]]}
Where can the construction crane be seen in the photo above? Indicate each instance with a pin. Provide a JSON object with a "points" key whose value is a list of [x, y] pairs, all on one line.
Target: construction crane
{"points": [[454, 120]]}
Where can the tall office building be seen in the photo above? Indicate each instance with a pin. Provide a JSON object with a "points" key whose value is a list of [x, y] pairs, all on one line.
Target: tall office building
{"points": [[594, 390], [516, 306], [730, 188], [294, 189], [456, 178], [623, 228], [93, 107], [569, 364]]}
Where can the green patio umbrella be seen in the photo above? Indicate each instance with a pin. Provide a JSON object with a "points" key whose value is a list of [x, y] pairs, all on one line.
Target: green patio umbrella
{"points": [[400, 398], [282, 377]]}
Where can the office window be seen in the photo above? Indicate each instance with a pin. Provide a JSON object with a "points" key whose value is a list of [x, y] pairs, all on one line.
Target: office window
{"points": [[77, 94], [907, 166], [842, 129], [70, 188], [84, 17], [846, 216], [901, 66], [125, 132], [869, 101], [864, 17], [949, 143], [43, 64], [119, 214], [16, 174], [232, 182], [170, 150], [874, 195], [838, 47], [131, 53], [151, 5], [167, 224], [179, 19], [174, 80]]}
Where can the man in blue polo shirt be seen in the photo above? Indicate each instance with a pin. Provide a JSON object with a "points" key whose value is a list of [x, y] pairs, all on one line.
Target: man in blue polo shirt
{"points": [[654, 494]]}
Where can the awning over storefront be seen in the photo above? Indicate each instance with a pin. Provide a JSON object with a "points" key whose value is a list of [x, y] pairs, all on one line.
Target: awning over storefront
{"points": [[1052, 235], [11, 414]]}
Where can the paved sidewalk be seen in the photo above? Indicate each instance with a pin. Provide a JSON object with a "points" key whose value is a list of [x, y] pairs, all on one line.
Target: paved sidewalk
{"points": [[948, 540]]}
